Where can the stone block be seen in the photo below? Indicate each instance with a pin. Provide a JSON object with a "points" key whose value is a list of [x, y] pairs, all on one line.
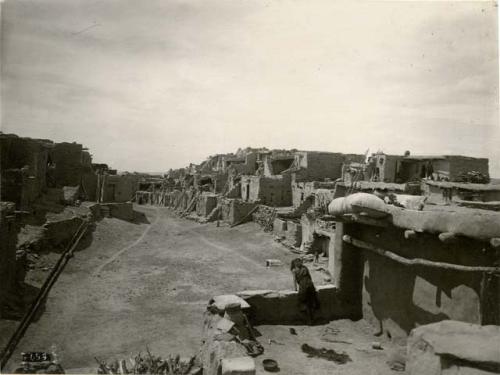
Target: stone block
{"points": [[279, 226], [238, 366], [453, 347]]}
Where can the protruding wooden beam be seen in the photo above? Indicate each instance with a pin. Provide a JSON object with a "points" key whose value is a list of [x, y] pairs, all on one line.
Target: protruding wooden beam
{"points": [[417, 261], [448, 237], [495, 242], [410, 234]]}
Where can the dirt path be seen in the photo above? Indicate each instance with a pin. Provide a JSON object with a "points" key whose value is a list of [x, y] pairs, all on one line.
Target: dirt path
{"points": [[141, 284], [126, 248]]}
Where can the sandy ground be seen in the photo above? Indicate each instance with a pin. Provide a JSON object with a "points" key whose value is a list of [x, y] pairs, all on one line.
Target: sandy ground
{"points": [[148, 283]]}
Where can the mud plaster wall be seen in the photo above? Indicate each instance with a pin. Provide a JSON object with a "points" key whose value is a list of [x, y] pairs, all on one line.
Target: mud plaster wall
{"points": [[389, 169], [24, 170], [324, 165], [398, 298], [119, 188], [205, 204], [272, 191], [220, 182], [68, 164], [300, 190], [307, 223], [279, 306], [435, 194], [234, 210], [89, 186], [293, 234], [460, 164]]}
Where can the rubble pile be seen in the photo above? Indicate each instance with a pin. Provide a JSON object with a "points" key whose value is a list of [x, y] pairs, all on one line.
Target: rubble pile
{"points": [[264, 216]]}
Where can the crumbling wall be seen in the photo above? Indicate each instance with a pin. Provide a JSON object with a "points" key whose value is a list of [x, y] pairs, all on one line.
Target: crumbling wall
{"points": [[276, 191], [235, 210], [293, 234], [206, 203], [396, 298], [301, 190], [279, 227], [216, 346], [8, 267]]}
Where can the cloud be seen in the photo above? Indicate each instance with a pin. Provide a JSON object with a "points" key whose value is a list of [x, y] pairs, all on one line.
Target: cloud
{"points": [[170, 82]]}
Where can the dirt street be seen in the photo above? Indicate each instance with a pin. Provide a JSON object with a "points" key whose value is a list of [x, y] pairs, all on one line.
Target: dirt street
{"points": [[148, 283]]}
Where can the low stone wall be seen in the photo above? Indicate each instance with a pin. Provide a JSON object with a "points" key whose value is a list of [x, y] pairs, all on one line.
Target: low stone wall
{"points": [[281, 307], [122, 211]]}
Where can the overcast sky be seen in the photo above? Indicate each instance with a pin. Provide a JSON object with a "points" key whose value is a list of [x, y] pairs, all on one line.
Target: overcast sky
{"points": [[148, 84]]}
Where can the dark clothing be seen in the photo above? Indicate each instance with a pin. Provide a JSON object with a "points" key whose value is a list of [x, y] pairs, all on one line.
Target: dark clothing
{"points": [[307, 296]]}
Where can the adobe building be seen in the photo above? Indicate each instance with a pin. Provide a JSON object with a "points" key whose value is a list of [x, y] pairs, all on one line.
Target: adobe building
{"points": [[466, 194], [403, 268], [24, 165], [318, 170], [403, 168], [318, 166], [272, 190], [116, 188]]}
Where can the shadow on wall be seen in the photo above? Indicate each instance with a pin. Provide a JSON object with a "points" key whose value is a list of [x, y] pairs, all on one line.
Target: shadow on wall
{"points": [[398, 298], [390, 296]]}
